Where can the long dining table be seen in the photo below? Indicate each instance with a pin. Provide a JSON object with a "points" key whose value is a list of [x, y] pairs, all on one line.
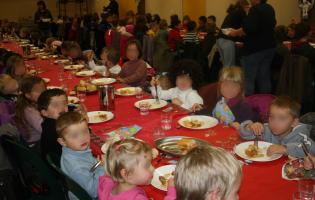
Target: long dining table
{"points": [[261, 180]]}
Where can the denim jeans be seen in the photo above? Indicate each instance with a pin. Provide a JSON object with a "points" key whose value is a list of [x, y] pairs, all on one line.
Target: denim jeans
{"points": [[227, 51], [257, 71]]}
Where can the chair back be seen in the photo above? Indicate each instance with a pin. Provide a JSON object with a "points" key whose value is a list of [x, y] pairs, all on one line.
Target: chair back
{"points": [[70, 184], [209, 94], [260, 103]]}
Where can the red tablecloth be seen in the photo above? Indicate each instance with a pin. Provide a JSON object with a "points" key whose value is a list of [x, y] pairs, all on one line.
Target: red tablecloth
{"points": [[261, 181]]}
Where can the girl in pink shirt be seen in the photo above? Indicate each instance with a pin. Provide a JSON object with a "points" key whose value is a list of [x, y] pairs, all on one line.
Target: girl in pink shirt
{"points": [[128, 165]]}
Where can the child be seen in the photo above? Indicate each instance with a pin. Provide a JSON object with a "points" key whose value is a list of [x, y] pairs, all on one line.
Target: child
{"points": [[76, 159], [128, 165], [231, 109], [15, 67], [283, 130], [8, 95], [134, 71], [51, 104], [112, 59], [208, 173], [182, 95], [28, 118], [191, 35]]}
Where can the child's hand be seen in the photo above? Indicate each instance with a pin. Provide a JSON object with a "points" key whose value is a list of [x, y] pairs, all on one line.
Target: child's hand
{"points": [[257, 128], [154, 82], [101, 158], [235, 125], [309, 162], [120, 80], [177, 102], [196, 107], [276, 149], [170, 182]]}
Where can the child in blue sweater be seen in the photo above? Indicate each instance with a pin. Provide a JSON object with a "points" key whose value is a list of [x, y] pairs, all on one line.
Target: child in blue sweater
{"points": [[77, 159]]}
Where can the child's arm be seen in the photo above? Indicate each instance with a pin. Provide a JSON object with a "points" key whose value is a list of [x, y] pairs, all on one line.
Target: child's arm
{"points": [[192, 100], [249, 130], [87, 180], [171, 191], [163, 94]]}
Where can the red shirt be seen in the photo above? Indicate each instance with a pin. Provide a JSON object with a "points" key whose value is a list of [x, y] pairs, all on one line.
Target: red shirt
{"points": [[173, 38]]}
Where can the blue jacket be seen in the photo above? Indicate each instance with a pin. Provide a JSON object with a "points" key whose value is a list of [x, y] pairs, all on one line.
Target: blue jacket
{"points": [[293, 141], [77, 164]]}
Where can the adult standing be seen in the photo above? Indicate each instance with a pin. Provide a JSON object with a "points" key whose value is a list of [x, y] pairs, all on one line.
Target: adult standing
{"points": [[43, 19], [259, 46], [112, 8], [226, 44]]}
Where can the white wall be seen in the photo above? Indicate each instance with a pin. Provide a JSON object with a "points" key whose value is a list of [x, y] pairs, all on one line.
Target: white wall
{"points": [[165, 8]]}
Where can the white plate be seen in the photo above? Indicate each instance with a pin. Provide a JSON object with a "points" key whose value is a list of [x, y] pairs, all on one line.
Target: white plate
{"points": [[61, 61], [103, 81], [46, 80], [226, 31], [73, 67], [85, 73], [94, 116], [73, 100], [207, 122], [153, 104], [53, 87], [133, 91], [312, 44], [161, 171], [240, 151]]}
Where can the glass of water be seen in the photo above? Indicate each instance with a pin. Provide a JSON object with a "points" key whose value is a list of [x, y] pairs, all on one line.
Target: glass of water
{"points": [[139, 93], [144, 108], [306, 189], [166, 121]]}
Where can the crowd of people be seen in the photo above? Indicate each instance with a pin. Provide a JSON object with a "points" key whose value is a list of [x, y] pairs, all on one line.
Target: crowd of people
{"points": [[252, 53]]}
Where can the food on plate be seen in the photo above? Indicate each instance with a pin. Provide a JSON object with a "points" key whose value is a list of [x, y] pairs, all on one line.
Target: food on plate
{"points": [[99, 117], [126, 91], [253, 151], [294, 169], [186, 144], [164, 179], [86, 87], [193, 123]]}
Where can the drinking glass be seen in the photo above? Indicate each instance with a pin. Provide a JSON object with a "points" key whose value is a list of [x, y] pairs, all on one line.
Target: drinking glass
{"points": [[144, 108], [166, 121], [301, 196], [139, 93], [158, 133], [306, 189]]}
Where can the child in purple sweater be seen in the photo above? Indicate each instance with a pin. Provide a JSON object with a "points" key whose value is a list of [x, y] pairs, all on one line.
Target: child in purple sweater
{"points": [[128, 165], [232, 110]]}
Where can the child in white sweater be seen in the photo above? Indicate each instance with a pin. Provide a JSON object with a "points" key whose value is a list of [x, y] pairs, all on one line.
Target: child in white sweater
{"points": [[182, 95]]}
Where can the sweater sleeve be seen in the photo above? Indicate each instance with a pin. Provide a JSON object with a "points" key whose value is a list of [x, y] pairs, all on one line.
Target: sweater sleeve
{"points": [[171, 194], [193, 98], [163, 94], [244, 132], [138, 75], [87, 180], [34, 119]]}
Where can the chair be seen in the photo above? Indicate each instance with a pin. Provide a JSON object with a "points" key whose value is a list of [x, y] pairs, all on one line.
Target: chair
{"points": [[260, 103], [26, 159], [296, 80], [70, 184], [209, 94]]}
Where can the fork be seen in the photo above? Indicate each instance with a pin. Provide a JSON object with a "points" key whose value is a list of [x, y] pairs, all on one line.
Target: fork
{"points": [[256, 141]]}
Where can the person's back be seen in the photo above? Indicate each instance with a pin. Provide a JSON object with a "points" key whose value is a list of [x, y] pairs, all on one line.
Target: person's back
{"points": [[259, 28]]}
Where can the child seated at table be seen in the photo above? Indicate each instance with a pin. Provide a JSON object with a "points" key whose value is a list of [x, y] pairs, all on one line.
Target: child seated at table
{"points": [[27, 118], [51, 104], [182, 95], [232, 109], [283, 129], [15, 67], [8, 96], [191, 36], [128, 165], [77, 159], [112, 60], [208, 173]]}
